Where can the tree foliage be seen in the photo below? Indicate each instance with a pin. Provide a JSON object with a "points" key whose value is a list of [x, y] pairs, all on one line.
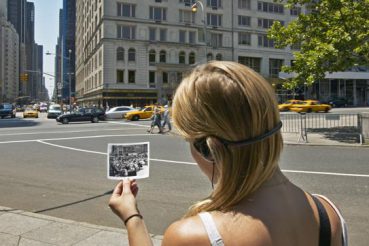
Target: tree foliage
{"points": [[333, 35]]}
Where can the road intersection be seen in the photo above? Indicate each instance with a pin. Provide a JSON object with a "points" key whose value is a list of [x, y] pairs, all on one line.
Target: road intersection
{"points": [[60, 170]]}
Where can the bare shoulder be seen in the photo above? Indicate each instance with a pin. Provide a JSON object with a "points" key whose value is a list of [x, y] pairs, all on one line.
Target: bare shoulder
{"points": [[189, 231]]}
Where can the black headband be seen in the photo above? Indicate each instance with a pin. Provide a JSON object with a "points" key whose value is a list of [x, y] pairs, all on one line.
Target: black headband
{"points": [[252, 140]]}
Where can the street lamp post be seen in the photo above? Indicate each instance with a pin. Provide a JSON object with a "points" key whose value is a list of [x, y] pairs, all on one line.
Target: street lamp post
{"points": [[194, 9], [70, 81]]}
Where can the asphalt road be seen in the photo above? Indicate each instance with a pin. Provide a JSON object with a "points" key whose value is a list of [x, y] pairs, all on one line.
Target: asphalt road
{"points": [[60, 170]]}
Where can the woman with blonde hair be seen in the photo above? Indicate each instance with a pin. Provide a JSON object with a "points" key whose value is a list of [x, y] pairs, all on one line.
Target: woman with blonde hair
{"points": [[228, 113]]}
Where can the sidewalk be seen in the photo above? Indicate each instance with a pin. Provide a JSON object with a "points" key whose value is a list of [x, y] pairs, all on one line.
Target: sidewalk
{"points": [[18, 227]]}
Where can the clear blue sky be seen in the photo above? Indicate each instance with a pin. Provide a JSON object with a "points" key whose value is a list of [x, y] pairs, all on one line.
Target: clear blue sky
{"points": [[46, 33]]}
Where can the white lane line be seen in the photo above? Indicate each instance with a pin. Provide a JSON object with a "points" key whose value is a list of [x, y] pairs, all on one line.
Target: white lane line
{"points": [[125, 123], [103, 153], [328, 173], [193, 163], [59, 132], [70, 148], [83, 137]]}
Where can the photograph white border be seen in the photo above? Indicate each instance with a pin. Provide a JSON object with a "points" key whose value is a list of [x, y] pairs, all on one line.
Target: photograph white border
{"points": [[146, 175]]}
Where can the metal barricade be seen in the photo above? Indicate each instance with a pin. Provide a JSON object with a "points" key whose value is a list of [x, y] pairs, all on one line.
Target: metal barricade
{"points": [[329, 124]]}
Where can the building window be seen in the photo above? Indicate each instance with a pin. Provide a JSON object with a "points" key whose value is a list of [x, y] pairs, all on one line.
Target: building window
{"points": [[209, 57], [126, 10], [165, 78], [216, 40], [218, 57], [186, 16], [214, 19], [191, 58], [126, 32], [187, 2], [182, 57], [275, 66], [120, 76], [244, 20], [152, 34], [163, 56], [163, 35], [152, 77], [182, 36], [120, 54], [244, 4], [270, 7], [263, 41], [244, 38], [295, 11], [267, 23], [158, 14], [131, 76], [131, 55], [214, 3], [152, 56], [192, 37], [252, 62]]}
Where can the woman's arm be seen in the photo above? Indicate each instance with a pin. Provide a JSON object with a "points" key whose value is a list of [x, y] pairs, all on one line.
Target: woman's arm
{"points": [[124, 205]]}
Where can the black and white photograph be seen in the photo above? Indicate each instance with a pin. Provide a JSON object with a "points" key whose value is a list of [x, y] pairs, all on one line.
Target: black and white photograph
{"points": [[128, 160]]}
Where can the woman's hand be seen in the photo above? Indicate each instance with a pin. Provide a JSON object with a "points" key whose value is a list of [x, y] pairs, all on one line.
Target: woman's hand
{"points": [[123, 200]]}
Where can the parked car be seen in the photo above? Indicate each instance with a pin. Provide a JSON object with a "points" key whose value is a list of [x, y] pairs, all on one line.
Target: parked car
{"points": [[54, 111], [82, 114], [7, 109], [309, 106], [338, 102], [118, 112], [288, 104], [30, 112], [144, 113], [43, 107], [18, 108]]}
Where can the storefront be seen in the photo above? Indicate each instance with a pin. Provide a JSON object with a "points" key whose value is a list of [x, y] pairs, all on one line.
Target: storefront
{"points": [[118, 97], [352, 86]]}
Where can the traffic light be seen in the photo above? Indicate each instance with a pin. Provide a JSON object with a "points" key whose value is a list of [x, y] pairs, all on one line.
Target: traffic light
{"points": [[24, 77]]}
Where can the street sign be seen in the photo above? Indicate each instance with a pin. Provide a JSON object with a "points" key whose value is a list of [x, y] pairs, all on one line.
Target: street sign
{"points": [[59, 85]]}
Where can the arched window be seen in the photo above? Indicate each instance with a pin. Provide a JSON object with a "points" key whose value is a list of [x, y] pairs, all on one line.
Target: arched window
{"points": [[209, 56], [182, 57], [131, 55], [120, 54], [218, 57], [163, 56], [191, 58], [152, 56]]}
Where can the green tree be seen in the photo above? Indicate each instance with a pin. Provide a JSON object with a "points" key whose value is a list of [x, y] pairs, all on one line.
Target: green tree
{"points": [[333, 36]]}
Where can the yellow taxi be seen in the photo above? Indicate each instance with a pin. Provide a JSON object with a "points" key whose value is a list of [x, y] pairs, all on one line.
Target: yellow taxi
{"points": [[309, 106], [288, 104], [144, 113], [30, 112]]}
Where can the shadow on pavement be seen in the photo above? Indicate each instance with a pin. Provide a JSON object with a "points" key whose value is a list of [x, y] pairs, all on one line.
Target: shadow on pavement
{"points": [[76, 202], [18, 122], [341, 134]]}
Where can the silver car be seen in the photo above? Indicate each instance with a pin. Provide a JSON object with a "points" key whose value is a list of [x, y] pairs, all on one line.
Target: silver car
{"points": [[117, 112]]}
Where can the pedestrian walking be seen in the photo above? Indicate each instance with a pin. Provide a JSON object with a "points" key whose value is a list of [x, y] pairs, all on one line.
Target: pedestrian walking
{"points": [[166, 118], [156, 121], [229, 115]]}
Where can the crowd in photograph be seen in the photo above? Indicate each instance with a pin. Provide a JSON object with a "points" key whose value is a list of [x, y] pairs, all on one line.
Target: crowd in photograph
{"points": [[128, 165]]}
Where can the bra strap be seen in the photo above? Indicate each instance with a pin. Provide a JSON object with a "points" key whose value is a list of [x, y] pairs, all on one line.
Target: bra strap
{"points": [[325, 225]]}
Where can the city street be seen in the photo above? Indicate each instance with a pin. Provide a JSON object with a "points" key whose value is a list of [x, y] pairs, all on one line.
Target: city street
{"points": [[60, 170]]}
